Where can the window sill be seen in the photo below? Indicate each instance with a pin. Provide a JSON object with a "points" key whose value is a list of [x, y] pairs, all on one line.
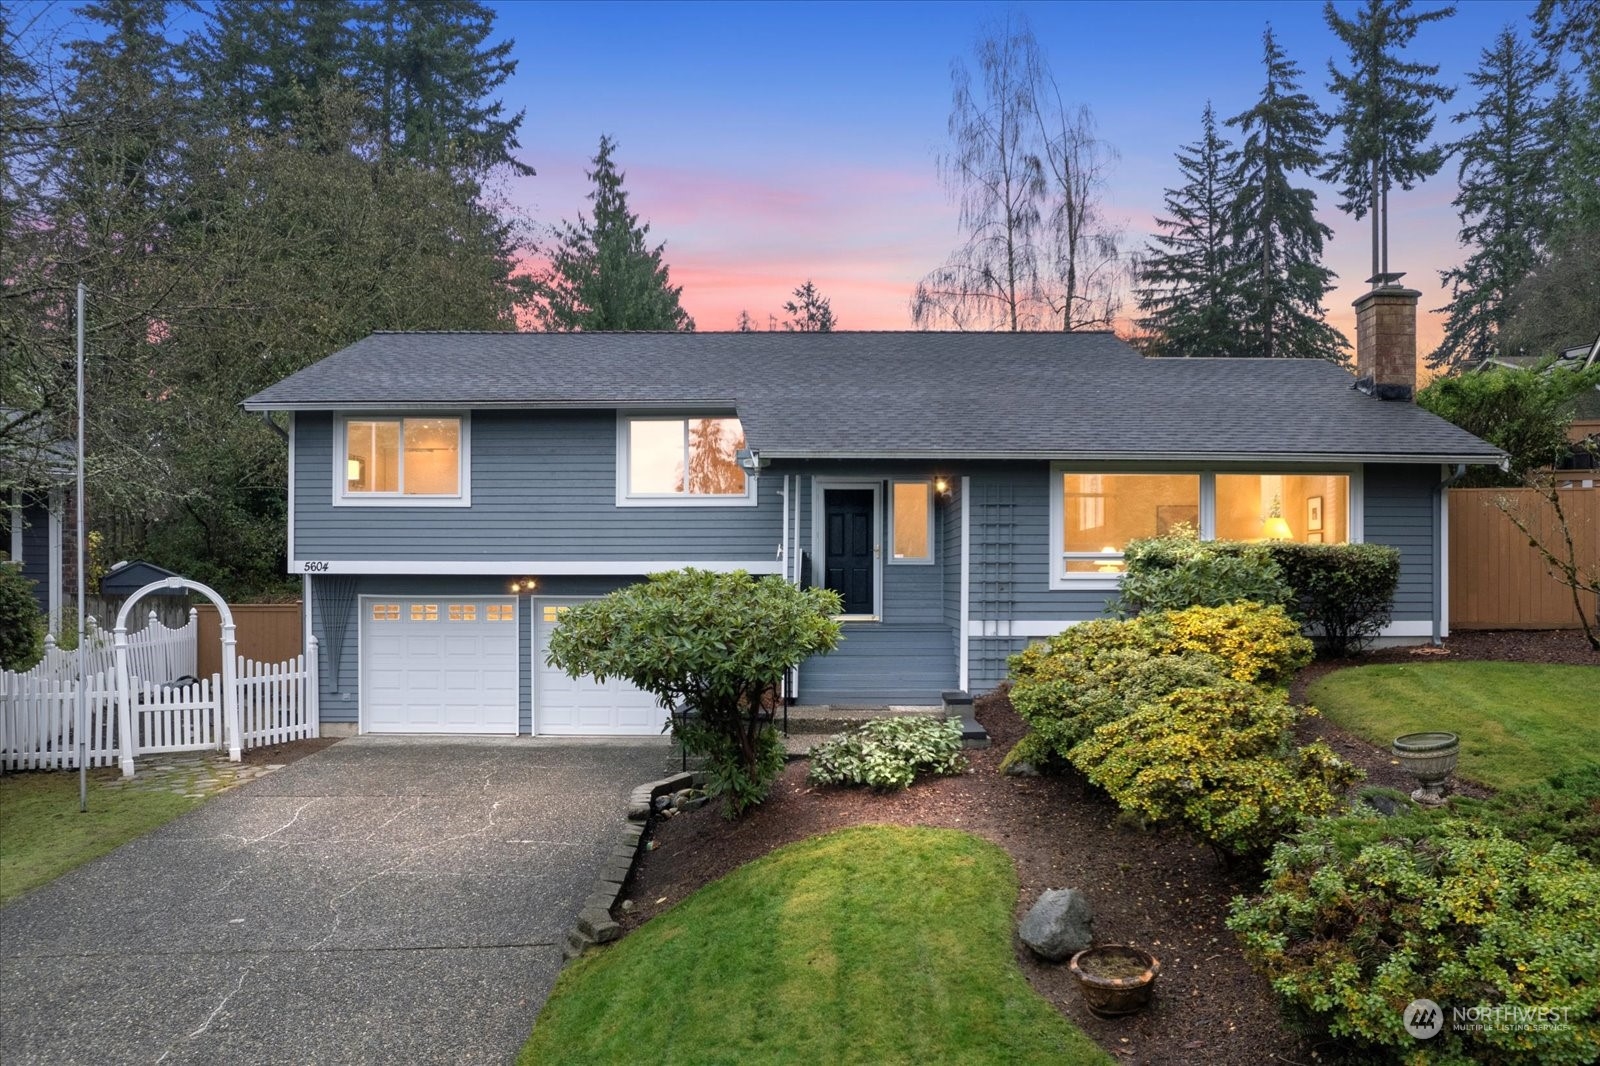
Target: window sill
{"points": [[464, 500], [852, 619], [748, 500], [1090, 583]]}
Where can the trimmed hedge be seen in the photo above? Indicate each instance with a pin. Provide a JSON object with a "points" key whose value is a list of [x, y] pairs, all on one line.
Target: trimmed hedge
{"points": [[1362, 914], [1342, 592]]}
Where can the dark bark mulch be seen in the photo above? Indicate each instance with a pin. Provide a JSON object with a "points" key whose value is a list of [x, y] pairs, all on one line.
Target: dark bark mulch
{"points": [[284, 754], [1155, 890]]}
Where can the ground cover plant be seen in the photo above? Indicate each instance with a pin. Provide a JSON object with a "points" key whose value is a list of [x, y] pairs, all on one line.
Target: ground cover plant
{"points": [[872, 944], [43, 834], [888, 753], [1363, 914], [1519, 723], [717, 644]]}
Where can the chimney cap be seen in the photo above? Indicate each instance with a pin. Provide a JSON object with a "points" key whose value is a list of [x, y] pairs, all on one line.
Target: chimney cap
{"points": [[1386, 281]]}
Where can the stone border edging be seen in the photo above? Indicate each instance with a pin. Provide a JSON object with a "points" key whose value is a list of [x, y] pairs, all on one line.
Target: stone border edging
{"points": [[595, 924]]}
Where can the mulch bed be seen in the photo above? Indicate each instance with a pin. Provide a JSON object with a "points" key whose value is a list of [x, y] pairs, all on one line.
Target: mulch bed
{"points": [[1155, 890], [284, 754]]}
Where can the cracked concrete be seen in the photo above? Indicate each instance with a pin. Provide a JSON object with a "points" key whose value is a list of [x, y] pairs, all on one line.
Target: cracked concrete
{"points": [[385, 900]]}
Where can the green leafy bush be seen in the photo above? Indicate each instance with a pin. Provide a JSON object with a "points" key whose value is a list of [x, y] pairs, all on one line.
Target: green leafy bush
{"points": [[1173, 572], [718, 643], [1565, 810], [888, 753], [1180, 716], [1216, 761], [21, 624], [1342, 592], [1037, 752], [1349, 933]]}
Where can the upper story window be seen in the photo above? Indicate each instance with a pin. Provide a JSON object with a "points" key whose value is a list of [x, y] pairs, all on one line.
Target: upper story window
{"points": [[403, 460], [1098, 514], [671, 461]]}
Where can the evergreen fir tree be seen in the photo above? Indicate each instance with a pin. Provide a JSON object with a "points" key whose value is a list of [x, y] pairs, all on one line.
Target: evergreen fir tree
{"points": [[809, 311], [1505, 197], [1186, 282], [1277, 238], [603, 276], [432, 76], [1385, 113]]}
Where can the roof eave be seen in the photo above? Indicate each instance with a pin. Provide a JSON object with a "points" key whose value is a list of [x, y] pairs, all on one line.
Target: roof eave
{"points": [[1475, 459]]}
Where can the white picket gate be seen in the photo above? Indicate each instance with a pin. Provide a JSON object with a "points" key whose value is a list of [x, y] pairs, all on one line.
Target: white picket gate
{"points": [[277, 703]]}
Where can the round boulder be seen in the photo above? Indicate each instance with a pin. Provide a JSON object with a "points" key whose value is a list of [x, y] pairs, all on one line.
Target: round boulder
{"points": [[1059, 925]]}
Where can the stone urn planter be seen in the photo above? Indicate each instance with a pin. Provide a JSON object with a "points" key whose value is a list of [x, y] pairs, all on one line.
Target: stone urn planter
{"points": [[1115, 979], [1431, 759]]}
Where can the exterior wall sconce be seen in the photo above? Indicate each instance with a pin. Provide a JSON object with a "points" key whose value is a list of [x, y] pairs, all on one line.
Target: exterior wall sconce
{"points": [[941, 486], [524, 584]]}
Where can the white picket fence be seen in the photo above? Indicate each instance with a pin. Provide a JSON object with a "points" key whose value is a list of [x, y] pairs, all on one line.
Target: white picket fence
{"points": [[155, 652], [277, 703]]}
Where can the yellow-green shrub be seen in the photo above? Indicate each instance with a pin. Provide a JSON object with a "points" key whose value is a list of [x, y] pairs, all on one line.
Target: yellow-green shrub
{"points": [[1446, 910], [1217, 762], [1261, 645]]}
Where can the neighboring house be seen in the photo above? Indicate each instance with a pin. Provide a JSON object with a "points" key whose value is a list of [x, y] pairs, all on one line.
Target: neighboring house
{"points": [[450, 494], [1577, 469], [35, 513]]}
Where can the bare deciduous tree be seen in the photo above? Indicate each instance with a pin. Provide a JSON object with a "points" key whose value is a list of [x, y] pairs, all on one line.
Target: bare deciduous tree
{"points": [[1028, 173]]}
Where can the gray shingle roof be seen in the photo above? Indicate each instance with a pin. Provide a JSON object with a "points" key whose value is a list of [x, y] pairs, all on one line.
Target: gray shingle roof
{"points": [[910, 394]]}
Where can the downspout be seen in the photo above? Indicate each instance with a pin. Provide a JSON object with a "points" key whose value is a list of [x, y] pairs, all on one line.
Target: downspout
{"points": [[1441, 551], [266, 416]]}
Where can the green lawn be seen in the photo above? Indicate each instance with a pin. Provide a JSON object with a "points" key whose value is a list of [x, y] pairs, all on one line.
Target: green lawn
{"points": [[42, 835], [1519, 722], [868, 945]]}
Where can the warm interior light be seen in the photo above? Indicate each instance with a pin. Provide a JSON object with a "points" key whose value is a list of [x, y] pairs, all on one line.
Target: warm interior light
{"points": [[1109, 550], [352, 469], [1275, 528]]}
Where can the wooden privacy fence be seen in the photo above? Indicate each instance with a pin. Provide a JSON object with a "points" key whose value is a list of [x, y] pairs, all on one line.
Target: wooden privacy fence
{"points": [[265, 632], [1498, 581]]}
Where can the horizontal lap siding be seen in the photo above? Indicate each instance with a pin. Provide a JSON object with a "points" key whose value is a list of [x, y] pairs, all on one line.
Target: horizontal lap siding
{"points": [[1399, 512], [543, 488], [882, 664], [1028, 486]]}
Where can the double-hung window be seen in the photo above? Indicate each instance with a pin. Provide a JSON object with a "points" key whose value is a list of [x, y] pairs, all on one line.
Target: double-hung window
{"points": [[678, 460], [403, 460], [1096, 514]]}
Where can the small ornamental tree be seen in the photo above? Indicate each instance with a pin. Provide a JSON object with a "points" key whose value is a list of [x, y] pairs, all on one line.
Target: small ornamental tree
{"points": [[21, 624], [718, 644]]}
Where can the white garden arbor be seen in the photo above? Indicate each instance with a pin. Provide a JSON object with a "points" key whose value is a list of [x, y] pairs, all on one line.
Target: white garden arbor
{"points": [[230, 688]]}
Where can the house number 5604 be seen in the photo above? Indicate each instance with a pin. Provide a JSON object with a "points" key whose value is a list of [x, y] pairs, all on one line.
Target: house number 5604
{"points": [[315, 566]]}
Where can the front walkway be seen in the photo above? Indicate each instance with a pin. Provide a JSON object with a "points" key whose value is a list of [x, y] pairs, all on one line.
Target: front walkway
{"points": [[386, 900]]}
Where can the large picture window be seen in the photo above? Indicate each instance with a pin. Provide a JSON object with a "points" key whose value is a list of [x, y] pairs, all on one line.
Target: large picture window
{"points": [[682, 460], [407, 459], [1098, 514]]}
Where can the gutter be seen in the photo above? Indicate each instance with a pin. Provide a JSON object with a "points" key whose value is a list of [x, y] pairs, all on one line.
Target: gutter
{"points": [[1441, 547]]}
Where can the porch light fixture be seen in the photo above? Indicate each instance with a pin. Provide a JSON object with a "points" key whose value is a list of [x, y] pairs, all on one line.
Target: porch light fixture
{"points": [[524, 584], [941, 486]]}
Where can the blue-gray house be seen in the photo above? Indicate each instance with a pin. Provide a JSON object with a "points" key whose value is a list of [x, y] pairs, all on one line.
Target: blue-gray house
{"points": [[451, 493]]}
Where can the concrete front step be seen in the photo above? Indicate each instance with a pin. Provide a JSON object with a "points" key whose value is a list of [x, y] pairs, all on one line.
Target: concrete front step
{"points": [[828, 720]]}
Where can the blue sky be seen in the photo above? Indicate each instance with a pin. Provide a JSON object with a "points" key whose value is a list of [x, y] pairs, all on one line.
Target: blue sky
{"points": [[767, 143]]}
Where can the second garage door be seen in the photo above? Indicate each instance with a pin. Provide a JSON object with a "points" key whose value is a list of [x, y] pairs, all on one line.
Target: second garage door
{"points": [[584, 707], [439, 665]]}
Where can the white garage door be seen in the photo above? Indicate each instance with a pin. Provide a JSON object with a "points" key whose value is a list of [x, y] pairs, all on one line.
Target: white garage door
{"points": [[439, 664], [583, 707]]}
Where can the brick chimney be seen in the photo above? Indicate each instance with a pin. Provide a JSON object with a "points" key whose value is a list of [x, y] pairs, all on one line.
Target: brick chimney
{"points": [[1386, 342]]}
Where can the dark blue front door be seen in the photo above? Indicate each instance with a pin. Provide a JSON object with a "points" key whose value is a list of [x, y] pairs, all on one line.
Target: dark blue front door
{"points": [[848, 557]]}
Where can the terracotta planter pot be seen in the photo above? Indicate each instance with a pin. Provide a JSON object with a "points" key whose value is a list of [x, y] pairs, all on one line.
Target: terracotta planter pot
{"points": [[1115, 979], [1431, 759]]}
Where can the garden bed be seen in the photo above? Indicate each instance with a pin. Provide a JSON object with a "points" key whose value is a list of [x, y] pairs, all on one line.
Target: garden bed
{"points": [[1157, 891]]}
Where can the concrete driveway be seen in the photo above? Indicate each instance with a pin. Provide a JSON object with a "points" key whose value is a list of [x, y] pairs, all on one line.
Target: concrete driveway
{"points": [[386, 900]]}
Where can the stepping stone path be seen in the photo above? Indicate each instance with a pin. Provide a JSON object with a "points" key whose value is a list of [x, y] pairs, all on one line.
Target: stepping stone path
{"points": [[193, 774]]}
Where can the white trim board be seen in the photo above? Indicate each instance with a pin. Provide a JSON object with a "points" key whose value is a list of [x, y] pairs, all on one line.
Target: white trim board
{"points": [[625, 498], [341, 442], [529, 567]]}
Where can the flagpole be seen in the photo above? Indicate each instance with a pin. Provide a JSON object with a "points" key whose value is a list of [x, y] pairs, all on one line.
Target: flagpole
{"points": [[83, 680]]}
